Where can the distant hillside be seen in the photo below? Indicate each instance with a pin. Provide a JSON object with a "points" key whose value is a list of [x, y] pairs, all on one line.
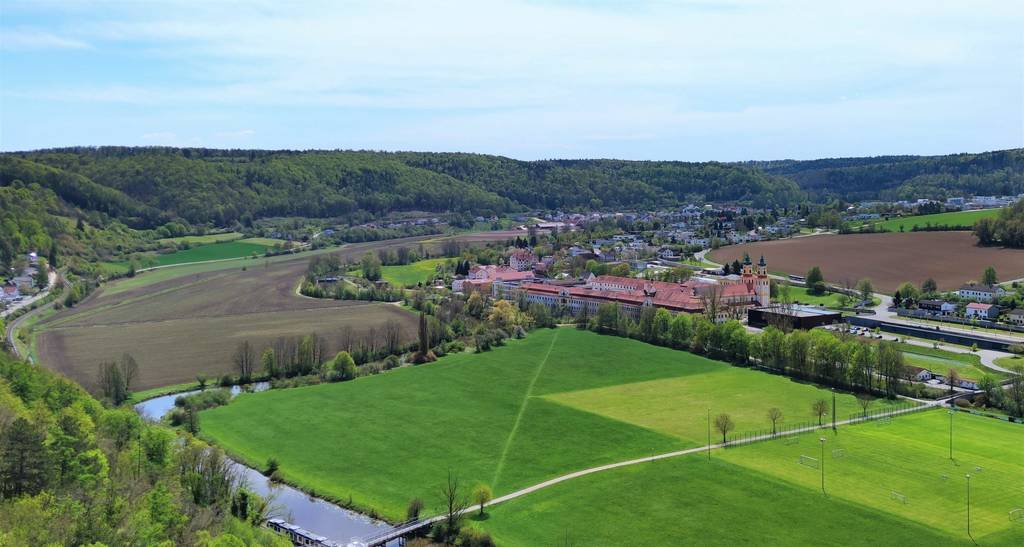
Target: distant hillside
{"points": [[149, 186], [905, 177]]}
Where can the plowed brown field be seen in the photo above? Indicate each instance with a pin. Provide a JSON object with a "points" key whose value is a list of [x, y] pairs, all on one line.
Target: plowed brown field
{"points": [[889, 259]]}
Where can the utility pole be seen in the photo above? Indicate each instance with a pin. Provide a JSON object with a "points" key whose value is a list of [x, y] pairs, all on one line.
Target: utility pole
{"points": [[821, 464], [709, 435]]}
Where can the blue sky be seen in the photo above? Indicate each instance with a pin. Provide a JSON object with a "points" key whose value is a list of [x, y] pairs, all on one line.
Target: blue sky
{"points": [[702, 80]]}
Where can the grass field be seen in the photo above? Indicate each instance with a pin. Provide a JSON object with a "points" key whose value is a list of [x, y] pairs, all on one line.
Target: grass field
{"points": [[888, 259], [202, 253], [803, 296], [939, 361], [408, 274], [760, 495], [961, 219], [203, 239], [559, 401], [1007, 362]]}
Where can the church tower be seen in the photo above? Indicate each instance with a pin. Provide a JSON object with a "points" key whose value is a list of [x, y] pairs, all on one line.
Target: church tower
{"points": [[763, 285]]}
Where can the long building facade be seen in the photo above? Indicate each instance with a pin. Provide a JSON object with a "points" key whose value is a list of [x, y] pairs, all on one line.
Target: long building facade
{"points": [[730, 297]]}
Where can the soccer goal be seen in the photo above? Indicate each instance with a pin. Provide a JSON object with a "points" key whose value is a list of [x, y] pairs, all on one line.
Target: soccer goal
{"points": [[839, 453], [1017, 515], [791, 440], [808, 461], [898, 497]]}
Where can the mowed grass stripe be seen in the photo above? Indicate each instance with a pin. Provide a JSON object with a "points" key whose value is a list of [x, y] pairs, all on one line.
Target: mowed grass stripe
{"points": [[522, 409]]}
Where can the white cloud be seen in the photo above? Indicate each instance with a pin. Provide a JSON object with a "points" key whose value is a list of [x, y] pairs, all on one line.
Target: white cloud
{"points": [[20, 39]]}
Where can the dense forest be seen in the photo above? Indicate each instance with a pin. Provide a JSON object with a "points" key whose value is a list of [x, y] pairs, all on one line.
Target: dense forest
{"points": [[905, 177], [149, 187], [76, 472]]}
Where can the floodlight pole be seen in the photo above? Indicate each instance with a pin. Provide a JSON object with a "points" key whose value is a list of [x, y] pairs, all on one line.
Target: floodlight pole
{"points": [[821, 464], [834, 410], [969, 507], [951, 434], [709, 434]]}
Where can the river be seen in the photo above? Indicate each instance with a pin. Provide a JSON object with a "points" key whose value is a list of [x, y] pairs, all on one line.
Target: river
{"points": [[291, 504]]}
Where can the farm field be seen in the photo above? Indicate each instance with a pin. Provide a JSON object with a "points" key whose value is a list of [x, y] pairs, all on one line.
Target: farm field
{"points": [[555, 402], [184, 320], [779, 502], [408, 274], [202, 253], [889, 259], [962, 219]]}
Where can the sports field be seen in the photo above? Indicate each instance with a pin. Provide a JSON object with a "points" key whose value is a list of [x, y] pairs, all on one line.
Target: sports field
{"points": [[886, 485], [888, 259], [558, 401], [959, 219]]}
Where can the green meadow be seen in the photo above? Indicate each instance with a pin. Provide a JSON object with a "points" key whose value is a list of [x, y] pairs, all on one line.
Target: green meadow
{"points": [[559, 401], [761, 495], [203, 239], [408, 274], [957, 219]]}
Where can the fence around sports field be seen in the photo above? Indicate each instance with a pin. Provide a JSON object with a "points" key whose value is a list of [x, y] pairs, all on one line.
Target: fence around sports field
{"points": [[789, 429]]}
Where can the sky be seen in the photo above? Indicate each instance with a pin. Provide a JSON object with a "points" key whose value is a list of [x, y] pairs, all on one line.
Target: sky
{"points": [[694, 81]]}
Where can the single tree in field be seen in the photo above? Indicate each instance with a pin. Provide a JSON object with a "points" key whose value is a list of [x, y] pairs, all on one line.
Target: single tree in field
{"points": [[864, 400], [775, 415], [481, 495], [952, 379], [929, 287], [988, 277], [455, 504], [201, 380], [866, 289], [413, 511], [724, 424], [244, 360], [815, 281], [819, 408]]}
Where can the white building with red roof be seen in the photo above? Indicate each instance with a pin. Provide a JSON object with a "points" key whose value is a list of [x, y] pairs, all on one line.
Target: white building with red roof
{"points": [[522, 260]]}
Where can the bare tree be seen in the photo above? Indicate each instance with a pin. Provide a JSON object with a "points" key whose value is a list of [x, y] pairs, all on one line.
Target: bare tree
{"points": [[346, 338], [244, 360], [952, 379], [819, 408], [775, 415], [724, 424], [455, 504], [711, 300], [865, 400], [129, 370], [392, 336]]}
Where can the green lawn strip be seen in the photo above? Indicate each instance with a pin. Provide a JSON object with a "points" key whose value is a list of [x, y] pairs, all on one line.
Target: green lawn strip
{"points": [[384, 439], [1007, 362], [910, 458], [203, 239], [216, 251], [961, 219], [407, 274], [940, 361], [678, 406], [689, 501], [140, 396], [264, 241]]}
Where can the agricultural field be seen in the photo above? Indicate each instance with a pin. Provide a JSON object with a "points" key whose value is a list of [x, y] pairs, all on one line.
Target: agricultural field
{"points": [[408, 274], [202, 253], [958, 219], [890, 481], [889, 259], [558, 401], [181, 321]]}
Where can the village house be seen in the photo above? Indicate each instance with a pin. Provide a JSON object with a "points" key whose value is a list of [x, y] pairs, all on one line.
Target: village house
{"points": [[522, 260], [1015, 317], [938, 307], [981, 293], [919, 374], [976, 310]]}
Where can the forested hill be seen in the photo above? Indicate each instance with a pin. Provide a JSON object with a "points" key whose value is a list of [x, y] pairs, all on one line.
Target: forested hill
{"points": [[148, 186], [905, 177]]}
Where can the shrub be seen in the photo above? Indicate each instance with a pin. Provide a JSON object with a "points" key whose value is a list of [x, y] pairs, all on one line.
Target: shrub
{"points": [[226, 380], [392, 361], [272, 466], [963, 403], [471, 537]]}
